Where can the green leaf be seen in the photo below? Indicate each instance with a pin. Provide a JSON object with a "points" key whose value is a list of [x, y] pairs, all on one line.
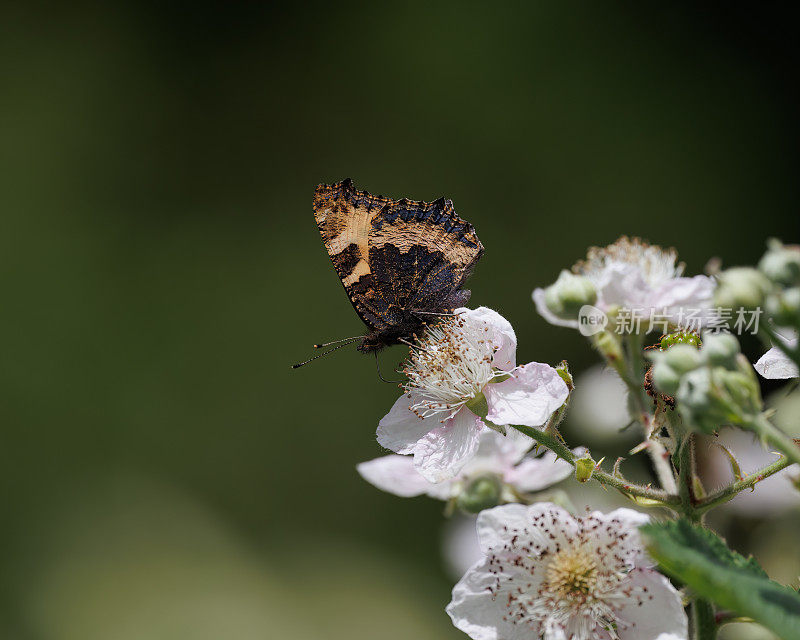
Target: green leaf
{"points": [[701, 560]]}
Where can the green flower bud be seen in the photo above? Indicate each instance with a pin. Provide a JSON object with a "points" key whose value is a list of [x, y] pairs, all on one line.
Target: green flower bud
{"points": [[741, 288], [481, 493], [712, 397], [665, 378], [784, 307], [781, 264], [584, 468], [683, 358], [568, 294], [721, 349]]}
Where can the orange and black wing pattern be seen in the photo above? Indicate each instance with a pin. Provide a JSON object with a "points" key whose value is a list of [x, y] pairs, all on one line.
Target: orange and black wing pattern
{"points": [[399, 260]]}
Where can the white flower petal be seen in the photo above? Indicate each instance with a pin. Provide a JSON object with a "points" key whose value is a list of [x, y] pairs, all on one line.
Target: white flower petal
{"points": [[477, 613], [685, 299], [400, 429], [621, 284], [776, 365], [542, 310], [621, 528], [529, 398], [501, 335], [661, 610], [535, 474], [395, 474], [499, 525], [443, 452]]}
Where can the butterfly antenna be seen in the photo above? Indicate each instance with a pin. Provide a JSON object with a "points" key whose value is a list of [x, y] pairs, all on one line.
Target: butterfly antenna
{"points": [[344, 344], [378, 366], [412, 345], [328, 344]]}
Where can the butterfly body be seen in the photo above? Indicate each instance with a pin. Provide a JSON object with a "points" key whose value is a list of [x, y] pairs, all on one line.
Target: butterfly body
{"points": [[401, 262]]}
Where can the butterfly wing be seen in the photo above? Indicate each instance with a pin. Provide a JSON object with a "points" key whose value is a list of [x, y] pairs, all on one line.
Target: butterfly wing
{"points": [[396, 258]]}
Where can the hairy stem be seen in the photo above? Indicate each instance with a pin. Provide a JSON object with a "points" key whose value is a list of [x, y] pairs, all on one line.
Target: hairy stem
{"points": [[774, 436], [704, 622], [745, 483], [633, 376], [553, 443]]}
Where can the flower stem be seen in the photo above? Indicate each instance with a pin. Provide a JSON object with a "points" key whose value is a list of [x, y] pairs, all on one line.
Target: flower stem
{"points": [[686, 477], [774, 436], [553, 443], [745, 483], [704, 622], [632, 375], [701, 612]]}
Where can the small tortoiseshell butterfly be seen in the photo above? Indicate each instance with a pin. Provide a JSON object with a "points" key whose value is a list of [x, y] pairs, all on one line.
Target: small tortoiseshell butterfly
{"points": [[400, 261]]}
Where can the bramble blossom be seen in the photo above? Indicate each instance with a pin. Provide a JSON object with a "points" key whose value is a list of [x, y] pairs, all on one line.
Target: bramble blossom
{"points": [[549, 575], [498, 457], [631, 274], [462, 370]]}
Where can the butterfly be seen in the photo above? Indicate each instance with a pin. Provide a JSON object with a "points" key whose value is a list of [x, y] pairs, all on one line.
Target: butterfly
{"points": [[401, 262]]}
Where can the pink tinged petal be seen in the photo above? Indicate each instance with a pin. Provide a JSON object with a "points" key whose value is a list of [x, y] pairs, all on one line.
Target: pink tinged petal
{"points": [[621, 284], [776, 365], [529, 398], [444, 451], [501, 335], [400, 429], [395, 474], [478, 613], [685, 299], [542, 310], [661, 610], [535, 474]]}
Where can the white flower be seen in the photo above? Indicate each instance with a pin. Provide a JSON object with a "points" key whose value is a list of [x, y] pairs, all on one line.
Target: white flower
{"points": [[503, 457], [634, 275], [551, 576], [463, 367], [775, 364]]}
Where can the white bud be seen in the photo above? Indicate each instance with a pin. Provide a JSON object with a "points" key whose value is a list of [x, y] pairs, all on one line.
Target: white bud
{"points": [[666, 378], [781, 264], [741, 288], [683, 358], [568, 294], [720, 349]]}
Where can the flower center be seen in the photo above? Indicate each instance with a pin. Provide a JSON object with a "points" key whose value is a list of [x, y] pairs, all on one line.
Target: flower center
{"points": [[572, 573], [657, 265], [449, 366]]}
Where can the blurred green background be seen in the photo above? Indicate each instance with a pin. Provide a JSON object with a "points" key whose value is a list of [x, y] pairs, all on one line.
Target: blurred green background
{"points": [[164, 473]]}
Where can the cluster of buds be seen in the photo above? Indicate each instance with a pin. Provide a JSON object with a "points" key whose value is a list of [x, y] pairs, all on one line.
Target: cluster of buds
{"points": [[712, 383], [774, 285]]}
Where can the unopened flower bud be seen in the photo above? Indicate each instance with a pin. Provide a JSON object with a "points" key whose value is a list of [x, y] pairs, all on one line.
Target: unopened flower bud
{"points": [[683, 358], [483, 492], [584, 468], [720, 349], [781, 264], [712, 397], [784, 307], [568, 294], [665, 378], [741, 288]]}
